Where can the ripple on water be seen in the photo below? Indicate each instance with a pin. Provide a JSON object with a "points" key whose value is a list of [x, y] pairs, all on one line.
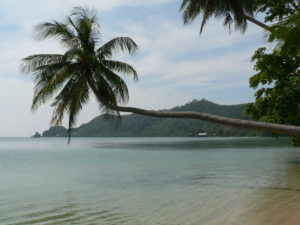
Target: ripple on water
{"points": [[63, 215]]}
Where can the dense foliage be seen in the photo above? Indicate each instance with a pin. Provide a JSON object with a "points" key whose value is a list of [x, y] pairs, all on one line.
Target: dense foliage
{"points": [[137, 125], [278, 88], [278, 78], [275, 10]]}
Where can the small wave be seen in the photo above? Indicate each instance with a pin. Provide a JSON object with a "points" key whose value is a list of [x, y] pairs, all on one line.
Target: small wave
{"points": [[79, 216]]}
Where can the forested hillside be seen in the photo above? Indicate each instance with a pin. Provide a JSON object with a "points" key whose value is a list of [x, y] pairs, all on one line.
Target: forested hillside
{"points": [[141, 126]]}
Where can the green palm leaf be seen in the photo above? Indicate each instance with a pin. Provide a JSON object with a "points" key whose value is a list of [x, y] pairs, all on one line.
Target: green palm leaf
{"points": [[120, 67], [115, 45]]}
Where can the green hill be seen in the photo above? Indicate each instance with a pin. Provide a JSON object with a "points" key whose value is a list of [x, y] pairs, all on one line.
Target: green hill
{"points": [[141, 126]]}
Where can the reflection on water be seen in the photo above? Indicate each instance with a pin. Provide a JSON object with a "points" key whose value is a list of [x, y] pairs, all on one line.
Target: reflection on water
{"points": [[209, 181], [194, 143]]}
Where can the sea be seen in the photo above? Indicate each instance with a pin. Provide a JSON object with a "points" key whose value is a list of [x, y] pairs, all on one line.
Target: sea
{"points": [[143, 181]]}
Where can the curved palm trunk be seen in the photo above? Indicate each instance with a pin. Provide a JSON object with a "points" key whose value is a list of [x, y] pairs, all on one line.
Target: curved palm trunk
{"points": [[270, 127], [258, 23]]}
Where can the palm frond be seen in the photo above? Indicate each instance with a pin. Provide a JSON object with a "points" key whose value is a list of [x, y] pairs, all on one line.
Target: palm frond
{"points": [[33, 62], [80, 97], [85, 13], [115, 45], [206, 15], [191, 9], [71, 99], [237, 10], [120, 67], [114, 82], [61, 102], [46, 74], [56, 30], [49, 82], [87, 26], [232, 11], [105, 94]]}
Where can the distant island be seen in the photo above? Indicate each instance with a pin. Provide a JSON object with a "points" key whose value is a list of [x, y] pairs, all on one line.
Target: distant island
{"points": [[134, 125], [36, 135]]}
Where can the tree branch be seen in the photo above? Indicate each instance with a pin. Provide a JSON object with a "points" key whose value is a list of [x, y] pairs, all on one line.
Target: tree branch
{"points": [[262, 25]]}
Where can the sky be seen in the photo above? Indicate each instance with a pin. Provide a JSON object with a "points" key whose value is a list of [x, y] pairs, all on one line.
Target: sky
{"points": [[174, 63]]}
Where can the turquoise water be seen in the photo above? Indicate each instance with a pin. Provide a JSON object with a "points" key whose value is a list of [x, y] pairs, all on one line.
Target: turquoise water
{"points": [[147, 180]]}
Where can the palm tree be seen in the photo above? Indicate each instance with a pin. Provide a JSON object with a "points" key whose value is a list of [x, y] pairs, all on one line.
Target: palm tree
{"points": [[237, 11], [82, 66], [86, 68]]}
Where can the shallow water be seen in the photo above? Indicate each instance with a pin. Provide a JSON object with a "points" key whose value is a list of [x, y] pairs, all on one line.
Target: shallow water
{"points": [[149, 181]]}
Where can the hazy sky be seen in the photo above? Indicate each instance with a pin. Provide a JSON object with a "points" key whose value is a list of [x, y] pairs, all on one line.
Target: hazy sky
{"points": [[174, 63]]}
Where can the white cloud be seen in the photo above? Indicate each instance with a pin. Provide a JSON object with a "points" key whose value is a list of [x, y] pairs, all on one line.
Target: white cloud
{"points": [[156, 97], [30, 11], [16, 117], [15, 100], [216, 66], [14, 50], [177, 56]]}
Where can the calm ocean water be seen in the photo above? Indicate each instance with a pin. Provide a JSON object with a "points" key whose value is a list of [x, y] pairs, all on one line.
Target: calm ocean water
{"points": [[149, 181]]}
